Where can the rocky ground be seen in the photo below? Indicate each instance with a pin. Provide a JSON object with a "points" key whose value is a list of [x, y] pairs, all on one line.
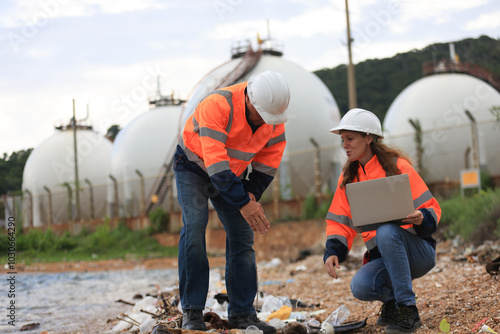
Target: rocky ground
{"points": [[458, 289], [455, 297]]}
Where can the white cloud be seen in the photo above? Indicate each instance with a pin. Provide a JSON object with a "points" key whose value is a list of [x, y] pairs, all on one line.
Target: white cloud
{"points": [[485, 21], [439, 11], [38, 13], [324, 21]]}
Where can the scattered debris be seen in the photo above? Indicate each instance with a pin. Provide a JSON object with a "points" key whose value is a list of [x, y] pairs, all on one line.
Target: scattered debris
{"points": [[493, 268], [29, 327]]}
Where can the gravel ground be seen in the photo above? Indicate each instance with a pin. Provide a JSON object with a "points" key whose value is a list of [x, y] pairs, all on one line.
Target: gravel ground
{"points": [[458, 289]]}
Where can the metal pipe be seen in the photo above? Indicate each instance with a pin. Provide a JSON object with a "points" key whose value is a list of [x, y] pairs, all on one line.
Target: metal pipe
{"points": [[50, 204], [91, 193]]}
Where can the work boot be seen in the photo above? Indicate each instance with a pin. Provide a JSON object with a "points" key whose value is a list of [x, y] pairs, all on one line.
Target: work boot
{"points": [[387, 313], [244, 321], [193, 320], [406, 320]]}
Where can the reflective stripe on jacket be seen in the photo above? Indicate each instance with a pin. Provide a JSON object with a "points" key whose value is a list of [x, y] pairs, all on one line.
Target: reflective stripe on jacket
{"points": [[219, 139], [339, 219]]}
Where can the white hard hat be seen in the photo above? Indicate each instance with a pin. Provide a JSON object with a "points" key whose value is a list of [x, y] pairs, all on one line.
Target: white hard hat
{"points": [[360, 120], [269, 94]]}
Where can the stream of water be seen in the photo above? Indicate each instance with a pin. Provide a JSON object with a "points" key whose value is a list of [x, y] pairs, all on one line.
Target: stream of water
{"points": [[74, 302]]}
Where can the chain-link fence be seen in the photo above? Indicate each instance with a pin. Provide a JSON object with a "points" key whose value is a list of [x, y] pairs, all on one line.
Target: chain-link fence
{"points": [[301, 173]]}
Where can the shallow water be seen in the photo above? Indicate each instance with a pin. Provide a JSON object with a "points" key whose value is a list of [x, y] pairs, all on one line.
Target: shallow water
{"points": [[78, 302]]}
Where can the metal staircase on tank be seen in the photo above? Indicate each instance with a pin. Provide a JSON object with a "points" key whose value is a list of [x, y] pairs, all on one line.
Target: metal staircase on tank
{"points": [[162, 184]]}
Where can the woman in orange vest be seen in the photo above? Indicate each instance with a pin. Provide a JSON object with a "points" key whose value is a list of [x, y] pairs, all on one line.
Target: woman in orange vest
{"points": [[396, 254], [232, 128]]}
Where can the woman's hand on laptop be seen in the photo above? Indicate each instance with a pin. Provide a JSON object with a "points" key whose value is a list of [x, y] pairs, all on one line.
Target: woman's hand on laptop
{"points": [[415, 218], [331, 263]]}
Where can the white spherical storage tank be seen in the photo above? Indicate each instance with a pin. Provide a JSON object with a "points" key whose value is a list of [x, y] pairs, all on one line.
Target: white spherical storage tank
{"points": [[439, 103], [312, 112], [139, 152], [49, 176]]}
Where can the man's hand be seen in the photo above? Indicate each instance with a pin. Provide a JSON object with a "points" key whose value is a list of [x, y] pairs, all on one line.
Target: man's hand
{"points": [[414, 218], [254, 215], [331, 263]]}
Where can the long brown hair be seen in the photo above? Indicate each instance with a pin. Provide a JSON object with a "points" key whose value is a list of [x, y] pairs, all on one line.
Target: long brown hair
{"points": [[387, 156]]}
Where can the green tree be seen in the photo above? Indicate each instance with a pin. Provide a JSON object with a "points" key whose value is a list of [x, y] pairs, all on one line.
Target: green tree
{"points": [[379, 81], [11, 171], [113, 132]]}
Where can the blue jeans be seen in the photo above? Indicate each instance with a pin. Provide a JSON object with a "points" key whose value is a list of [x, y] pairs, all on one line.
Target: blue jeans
{"points": [[405, 256], [241, 274]]}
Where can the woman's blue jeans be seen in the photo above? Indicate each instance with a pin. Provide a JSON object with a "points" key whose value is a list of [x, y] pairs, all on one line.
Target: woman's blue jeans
{"points": [[241, 275], [405, 256]]}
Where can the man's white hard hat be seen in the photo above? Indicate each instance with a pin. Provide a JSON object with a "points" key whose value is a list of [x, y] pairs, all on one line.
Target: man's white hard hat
{"points": [[360, 120], [269, 93]]}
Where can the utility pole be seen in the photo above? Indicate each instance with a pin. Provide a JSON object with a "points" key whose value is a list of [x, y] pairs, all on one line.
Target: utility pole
{"points": [[351, 78], [75, 150]]}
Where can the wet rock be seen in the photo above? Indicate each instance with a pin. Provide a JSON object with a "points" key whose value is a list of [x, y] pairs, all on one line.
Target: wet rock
{"points": [[29, 327]]}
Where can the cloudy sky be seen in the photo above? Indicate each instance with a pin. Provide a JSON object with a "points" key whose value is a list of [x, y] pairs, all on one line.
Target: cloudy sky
{"points": [[107, 54]]}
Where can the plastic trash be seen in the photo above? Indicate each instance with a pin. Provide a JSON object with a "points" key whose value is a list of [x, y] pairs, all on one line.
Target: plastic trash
{"points": [[487, 329], [142, 304], [299, 316], [338, 316], [326, 328], [276, 323], [147, 325], [272, 303], [313, 325], [253, 330], [283, 313]]}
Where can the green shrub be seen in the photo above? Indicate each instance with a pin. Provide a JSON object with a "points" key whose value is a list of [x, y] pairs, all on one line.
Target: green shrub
{"points": [[474, 218], [102, 237], [66, 242], [159, 219], [309, 207]]}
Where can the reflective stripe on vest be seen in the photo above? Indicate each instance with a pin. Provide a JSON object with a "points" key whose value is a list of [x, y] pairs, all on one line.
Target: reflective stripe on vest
{"points": [[339, 221], [234, 152]]}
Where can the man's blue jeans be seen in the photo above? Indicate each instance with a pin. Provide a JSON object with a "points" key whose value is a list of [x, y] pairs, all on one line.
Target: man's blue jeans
{"points": [[241, 275], [405, 256]]}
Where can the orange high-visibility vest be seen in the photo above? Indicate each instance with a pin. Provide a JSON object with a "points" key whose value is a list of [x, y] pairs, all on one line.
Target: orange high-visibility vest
{"points": [[218, 137], [339, 219]]}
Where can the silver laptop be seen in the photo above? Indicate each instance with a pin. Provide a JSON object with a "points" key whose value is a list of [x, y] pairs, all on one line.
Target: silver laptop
{"points": [[379, 201]]}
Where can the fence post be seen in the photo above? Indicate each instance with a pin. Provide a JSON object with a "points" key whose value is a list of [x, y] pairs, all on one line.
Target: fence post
{"points": [[91, 190], [143, 196], [50, 204], [115, 207]]}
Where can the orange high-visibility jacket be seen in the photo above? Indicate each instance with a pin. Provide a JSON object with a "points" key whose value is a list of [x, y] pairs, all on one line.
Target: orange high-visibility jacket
{"points": [[219, 139], [339, 219]]}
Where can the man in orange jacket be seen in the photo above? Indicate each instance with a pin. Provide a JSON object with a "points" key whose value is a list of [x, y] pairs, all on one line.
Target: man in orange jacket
{"points": [[231, 129], [397, 253]]}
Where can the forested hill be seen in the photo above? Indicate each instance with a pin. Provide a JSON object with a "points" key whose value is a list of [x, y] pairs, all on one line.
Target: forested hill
{"points": [[379, 81]]}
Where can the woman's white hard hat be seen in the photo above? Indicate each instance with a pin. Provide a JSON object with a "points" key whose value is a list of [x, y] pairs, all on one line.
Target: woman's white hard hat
{"points": [[269, 94], [360, 120]]}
